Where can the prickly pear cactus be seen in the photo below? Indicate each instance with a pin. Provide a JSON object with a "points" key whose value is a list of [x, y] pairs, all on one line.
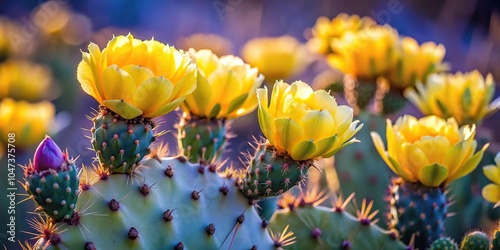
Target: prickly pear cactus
{"points": [[201, 139], [55, 192], [164, 204], [120, 143], [361, 170], [417, 211], [475, 241], [271, 173], [444, 244], [318, 227]]}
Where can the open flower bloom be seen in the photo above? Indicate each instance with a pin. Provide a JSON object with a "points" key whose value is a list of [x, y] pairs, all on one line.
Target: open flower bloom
{"points": [[415, 62], [276, 58], [491, 192], [430, 150], [133, 77], [303, 123], [225, 89], [325, 30], [365, 54], [466, 97], [28, 121], [22, 80]]}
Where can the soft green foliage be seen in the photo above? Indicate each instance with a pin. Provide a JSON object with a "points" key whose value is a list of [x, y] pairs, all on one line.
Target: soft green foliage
{"points": [[201, 139], [444, 244], [55, 192], [318, 227], [417, 210], [120, 144], [475, 241], [165, 204], [361, 170], [270, 173]]}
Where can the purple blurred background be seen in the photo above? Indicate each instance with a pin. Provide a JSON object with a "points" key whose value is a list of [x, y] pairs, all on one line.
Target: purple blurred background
{"points": [[469, 29]]}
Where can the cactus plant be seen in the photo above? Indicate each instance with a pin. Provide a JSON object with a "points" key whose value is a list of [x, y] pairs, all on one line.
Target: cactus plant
{"points": [[444, 244], [121, 143], [362, 164], [475, 240], [319, 227], [167, 202], [52, 181]]}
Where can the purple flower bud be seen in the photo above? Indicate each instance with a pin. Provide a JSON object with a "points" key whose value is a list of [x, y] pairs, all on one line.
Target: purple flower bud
{"points": [[48, 156]]}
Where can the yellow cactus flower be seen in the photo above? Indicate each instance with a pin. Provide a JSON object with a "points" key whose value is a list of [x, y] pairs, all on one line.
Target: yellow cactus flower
{"points": [[325, 30], [466, 97], [28, 121], [133, 77], [22, 80], [217, 44], [226, 86], [365, 54], [415, 62], [430, 150], [303, 123], [491, 192], [276, 57]]}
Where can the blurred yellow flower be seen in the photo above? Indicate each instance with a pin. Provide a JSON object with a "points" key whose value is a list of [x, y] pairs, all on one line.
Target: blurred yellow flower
{"points": [[365, 54], [23, 80], [415, 62], [225, 89], [466, 97], [29, 121], [133, 77], [430, 150], [217, 44], [491, 192], [325, 30], [276, 58], [305, 124], [13, 39]]}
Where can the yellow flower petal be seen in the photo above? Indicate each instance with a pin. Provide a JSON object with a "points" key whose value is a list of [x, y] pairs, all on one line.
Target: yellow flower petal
{"points": [[304, 150], [433, 175], [118, 84], [321, 123], [149, 92], [289, 132], [469, 165], [492, 173], [491, 193], [126, 110]]}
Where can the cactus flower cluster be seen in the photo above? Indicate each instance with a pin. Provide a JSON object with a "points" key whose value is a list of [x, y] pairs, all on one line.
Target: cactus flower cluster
{"points": [[429, 150], [137, 78], [304, 123]]}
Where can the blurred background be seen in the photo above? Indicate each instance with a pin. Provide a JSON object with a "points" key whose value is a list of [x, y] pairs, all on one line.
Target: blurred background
{"points": [[52, 34], [41, 43]]}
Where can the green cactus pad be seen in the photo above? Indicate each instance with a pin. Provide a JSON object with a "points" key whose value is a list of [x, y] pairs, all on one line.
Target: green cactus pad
{"points": [[55, 193], [201, 140], [170, 204], [444, 244], [417, 210], [120, 144], [271, 173], [393, 101], [475, 241], [361, 170], [317, 227]]}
